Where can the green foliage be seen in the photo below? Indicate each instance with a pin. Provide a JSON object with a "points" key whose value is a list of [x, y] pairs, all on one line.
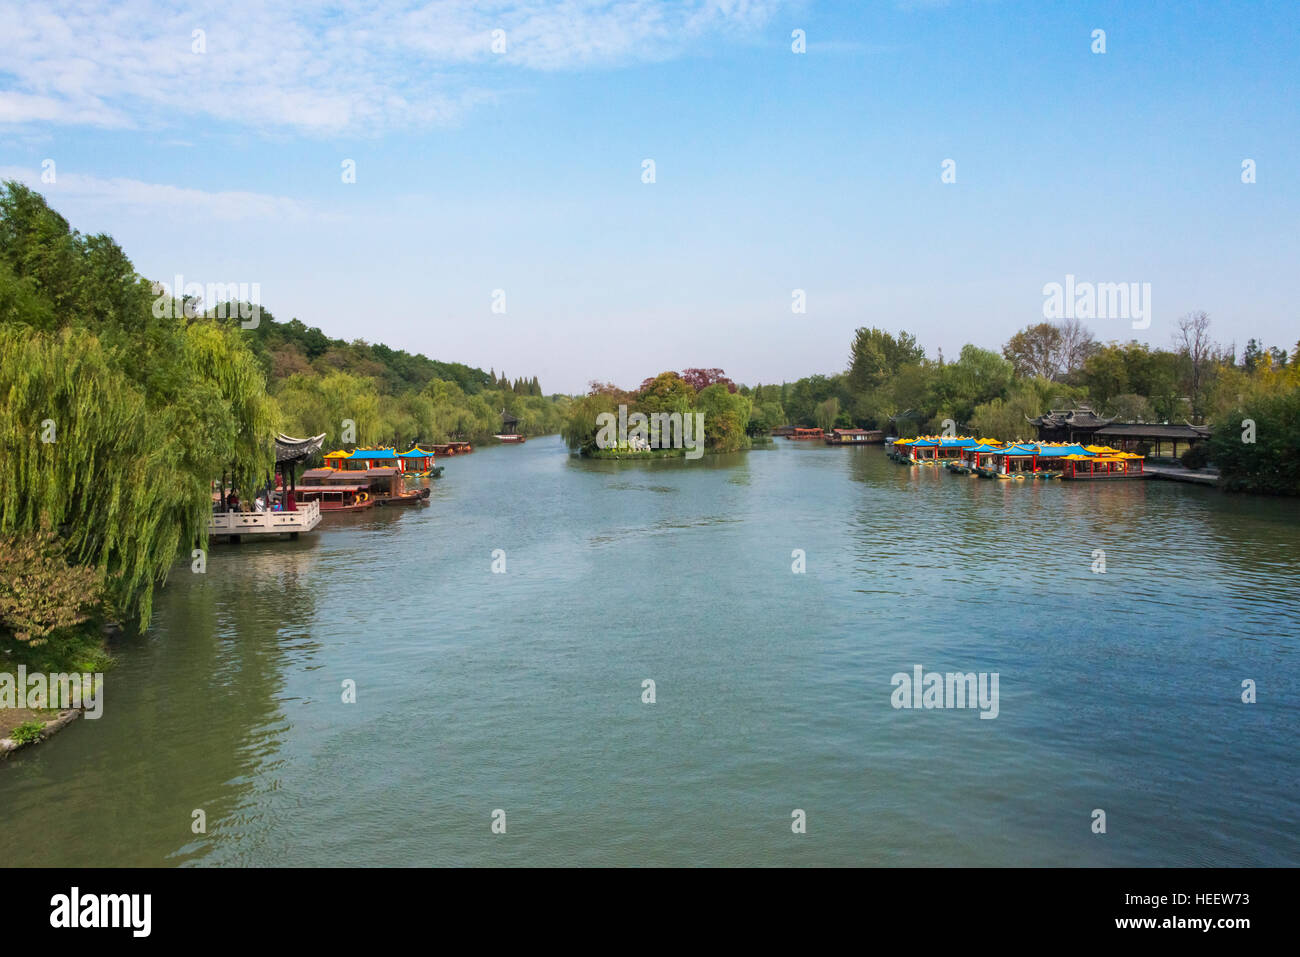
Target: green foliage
{"points": [[113, 419], [826, 413], [580, 425], [29, 732], [1270, 464], [727, 414], [126, 477], [978, 376], [1007, 419], [875, 356], [1196, 457], [765, 417], [1129, 408]]}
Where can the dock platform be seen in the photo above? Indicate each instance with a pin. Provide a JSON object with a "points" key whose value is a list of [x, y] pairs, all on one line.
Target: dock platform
{"points": [[233, 526], [1176, 473]]}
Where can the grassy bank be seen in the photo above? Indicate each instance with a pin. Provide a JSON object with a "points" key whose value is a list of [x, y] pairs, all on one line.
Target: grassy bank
{"points": [[82, 652]]}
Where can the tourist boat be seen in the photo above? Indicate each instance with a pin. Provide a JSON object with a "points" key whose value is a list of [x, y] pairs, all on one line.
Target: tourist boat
{"points": [[336, 490], [900, 450], [805, 435], [509, 438], [387, 487], [853, 437], [1104, 464], [420, 462], [369, 484], [1030, 460], [931, 449], [970, 458]]}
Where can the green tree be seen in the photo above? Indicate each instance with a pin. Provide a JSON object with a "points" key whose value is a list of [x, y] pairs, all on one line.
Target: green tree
{"points": [[826, 413], [1271, 463], [875, 356]]}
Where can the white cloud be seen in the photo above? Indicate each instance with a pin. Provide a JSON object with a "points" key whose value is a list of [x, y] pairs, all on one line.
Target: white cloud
{"points": [[140, 198], [350, 67]]}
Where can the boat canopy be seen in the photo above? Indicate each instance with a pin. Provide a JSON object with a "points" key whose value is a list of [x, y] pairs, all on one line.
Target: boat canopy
{"points": [[1046, 451], [415, 453], [940, 441], [1061, 451], [374, 454]]}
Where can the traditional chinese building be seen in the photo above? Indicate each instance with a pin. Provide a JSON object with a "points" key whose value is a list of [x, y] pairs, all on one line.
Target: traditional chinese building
{"points": [[1153, 439]]}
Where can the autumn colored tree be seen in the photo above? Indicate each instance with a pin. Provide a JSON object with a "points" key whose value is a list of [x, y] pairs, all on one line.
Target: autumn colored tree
{"points": [[701, 379], [41, 593]]}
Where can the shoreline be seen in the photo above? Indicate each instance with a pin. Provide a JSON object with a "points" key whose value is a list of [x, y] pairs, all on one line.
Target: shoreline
{"points": [[49, 728]]}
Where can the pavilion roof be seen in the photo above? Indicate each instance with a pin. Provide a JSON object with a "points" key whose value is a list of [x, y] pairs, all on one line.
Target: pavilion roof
{"points": [[1151, 430], [289, 449]]}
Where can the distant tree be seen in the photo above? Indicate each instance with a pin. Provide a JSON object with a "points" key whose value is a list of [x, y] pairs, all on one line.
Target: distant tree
{"points": [[765, 417], [827, 412], [726, 415], [1036, 351], [666, 392], [609, 390], [1253, 354], [1128, 407], [1197, 349], [1105, 374], [1076, 345], [701, 379], [875, 356], [978, 376]]}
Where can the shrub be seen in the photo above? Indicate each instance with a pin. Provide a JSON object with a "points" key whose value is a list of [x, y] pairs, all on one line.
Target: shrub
{"points": [[1196, 457], [1271, 462], [29, 732], [40, 593]]}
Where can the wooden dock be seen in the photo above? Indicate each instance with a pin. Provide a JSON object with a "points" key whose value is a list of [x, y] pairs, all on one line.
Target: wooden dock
{"points": [[1176, 473], [233, 526]]}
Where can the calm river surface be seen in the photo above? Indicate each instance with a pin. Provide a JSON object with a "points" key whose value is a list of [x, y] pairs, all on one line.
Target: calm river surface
{"points": [[523, 691]]}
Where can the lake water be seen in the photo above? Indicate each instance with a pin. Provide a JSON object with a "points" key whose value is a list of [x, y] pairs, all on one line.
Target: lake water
{"points": [[522, 691]]}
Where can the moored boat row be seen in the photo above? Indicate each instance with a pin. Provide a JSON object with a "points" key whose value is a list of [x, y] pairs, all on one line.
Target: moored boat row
{"points": [[1017, 461], [369, 477]]}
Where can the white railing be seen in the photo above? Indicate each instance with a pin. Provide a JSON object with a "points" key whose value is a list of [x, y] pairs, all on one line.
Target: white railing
{"points": [[304, 519]]}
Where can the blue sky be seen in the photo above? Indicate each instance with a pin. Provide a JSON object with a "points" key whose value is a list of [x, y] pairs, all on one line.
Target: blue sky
{"points": [[775, 171]]}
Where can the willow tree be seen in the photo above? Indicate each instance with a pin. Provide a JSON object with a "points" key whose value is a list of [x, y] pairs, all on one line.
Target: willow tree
{"points": [[311, 405], [127, 484], [113, 420]]}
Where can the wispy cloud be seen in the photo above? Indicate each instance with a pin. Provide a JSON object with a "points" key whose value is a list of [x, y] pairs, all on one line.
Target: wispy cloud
{"points": [[138, 197], [349, 67]]}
